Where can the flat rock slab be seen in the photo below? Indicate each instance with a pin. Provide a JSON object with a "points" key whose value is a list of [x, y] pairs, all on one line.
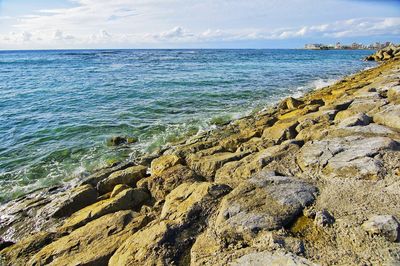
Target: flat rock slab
{"points": [[389, 116], [385, 225], [350, 157], [263, 203], [103, 235], [268, 258]]}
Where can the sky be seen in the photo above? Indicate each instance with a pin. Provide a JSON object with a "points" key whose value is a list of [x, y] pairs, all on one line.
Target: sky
{"points": [[77, 24]]}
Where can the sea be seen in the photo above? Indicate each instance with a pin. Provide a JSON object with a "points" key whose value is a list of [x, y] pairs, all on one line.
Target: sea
{"points": [[60, 108]]}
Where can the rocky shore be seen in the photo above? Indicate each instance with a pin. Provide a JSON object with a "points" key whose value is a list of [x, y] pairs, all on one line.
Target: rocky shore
{"points": [[310, 181]]}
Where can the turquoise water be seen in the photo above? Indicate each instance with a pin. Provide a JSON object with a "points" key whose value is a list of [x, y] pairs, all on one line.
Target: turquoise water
{"points": [[59, 108]]}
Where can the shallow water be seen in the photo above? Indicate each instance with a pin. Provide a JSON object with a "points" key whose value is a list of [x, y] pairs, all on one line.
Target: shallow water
{"points": [[58, 108]]}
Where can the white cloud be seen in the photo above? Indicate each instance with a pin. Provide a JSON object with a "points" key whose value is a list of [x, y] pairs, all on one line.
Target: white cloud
{"points": [[98, 23]]}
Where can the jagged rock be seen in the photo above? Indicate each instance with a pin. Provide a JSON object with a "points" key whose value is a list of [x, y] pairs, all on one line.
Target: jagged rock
{"points": [[21, 252], [385, 225], [4, 243], [233, 173], [186, 199], [393, 94], [360, 119], [268, 258], [162, 184], [103, 236], [99, 175], [389, 116], [125, 200], [183, 216], [231, 143], [323, 218], [351, 157], [117, 189], [164, 162], [208, 165], [281, 131], [70, 201], [128, 176], [290, 103], [263, 202]]}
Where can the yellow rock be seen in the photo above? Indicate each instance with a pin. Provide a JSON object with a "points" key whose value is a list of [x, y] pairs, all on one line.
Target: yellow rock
{"points": [[281, 131], [92, 244], [164, 162], [125, 200], [117, 189]]}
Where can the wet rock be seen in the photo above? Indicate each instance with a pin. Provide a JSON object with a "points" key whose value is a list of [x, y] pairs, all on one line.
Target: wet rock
{"points": [[72, 201], [384, 225], [388, 116], [125, 200], [164, 162], [128, 176], [118, 140], [263, 203], [101, 174], [323, 218]]}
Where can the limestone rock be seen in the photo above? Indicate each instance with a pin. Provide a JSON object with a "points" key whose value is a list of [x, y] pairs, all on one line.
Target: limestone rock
{"points": [[323, 218], [71, 201], [21, 252], [101, 174], [233, 173], [290, 103], [393, 94], [385, 225], [162, 184], [208, 165], [389, 116], [128, 176], [356, 120], [267, 258], [125, 200], [92, 244], [351, 157], [117, 189], [262, 203], [165, 242], [281, 131], [164, 162], [188, 197]]}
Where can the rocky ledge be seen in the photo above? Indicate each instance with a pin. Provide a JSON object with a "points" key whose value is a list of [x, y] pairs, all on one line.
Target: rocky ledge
{"points": [[314, 180], [387, 53]]}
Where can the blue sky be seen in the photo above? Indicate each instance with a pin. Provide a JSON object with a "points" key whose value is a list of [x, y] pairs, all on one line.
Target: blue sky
{"points": [[49, 24]]}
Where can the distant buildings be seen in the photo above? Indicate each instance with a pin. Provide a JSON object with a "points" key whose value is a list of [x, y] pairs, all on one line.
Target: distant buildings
{"points": [[353, 46]]}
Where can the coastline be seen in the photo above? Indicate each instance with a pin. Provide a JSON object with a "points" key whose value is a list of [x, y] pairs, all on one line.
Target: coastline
{"points": [[323, 164]]}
